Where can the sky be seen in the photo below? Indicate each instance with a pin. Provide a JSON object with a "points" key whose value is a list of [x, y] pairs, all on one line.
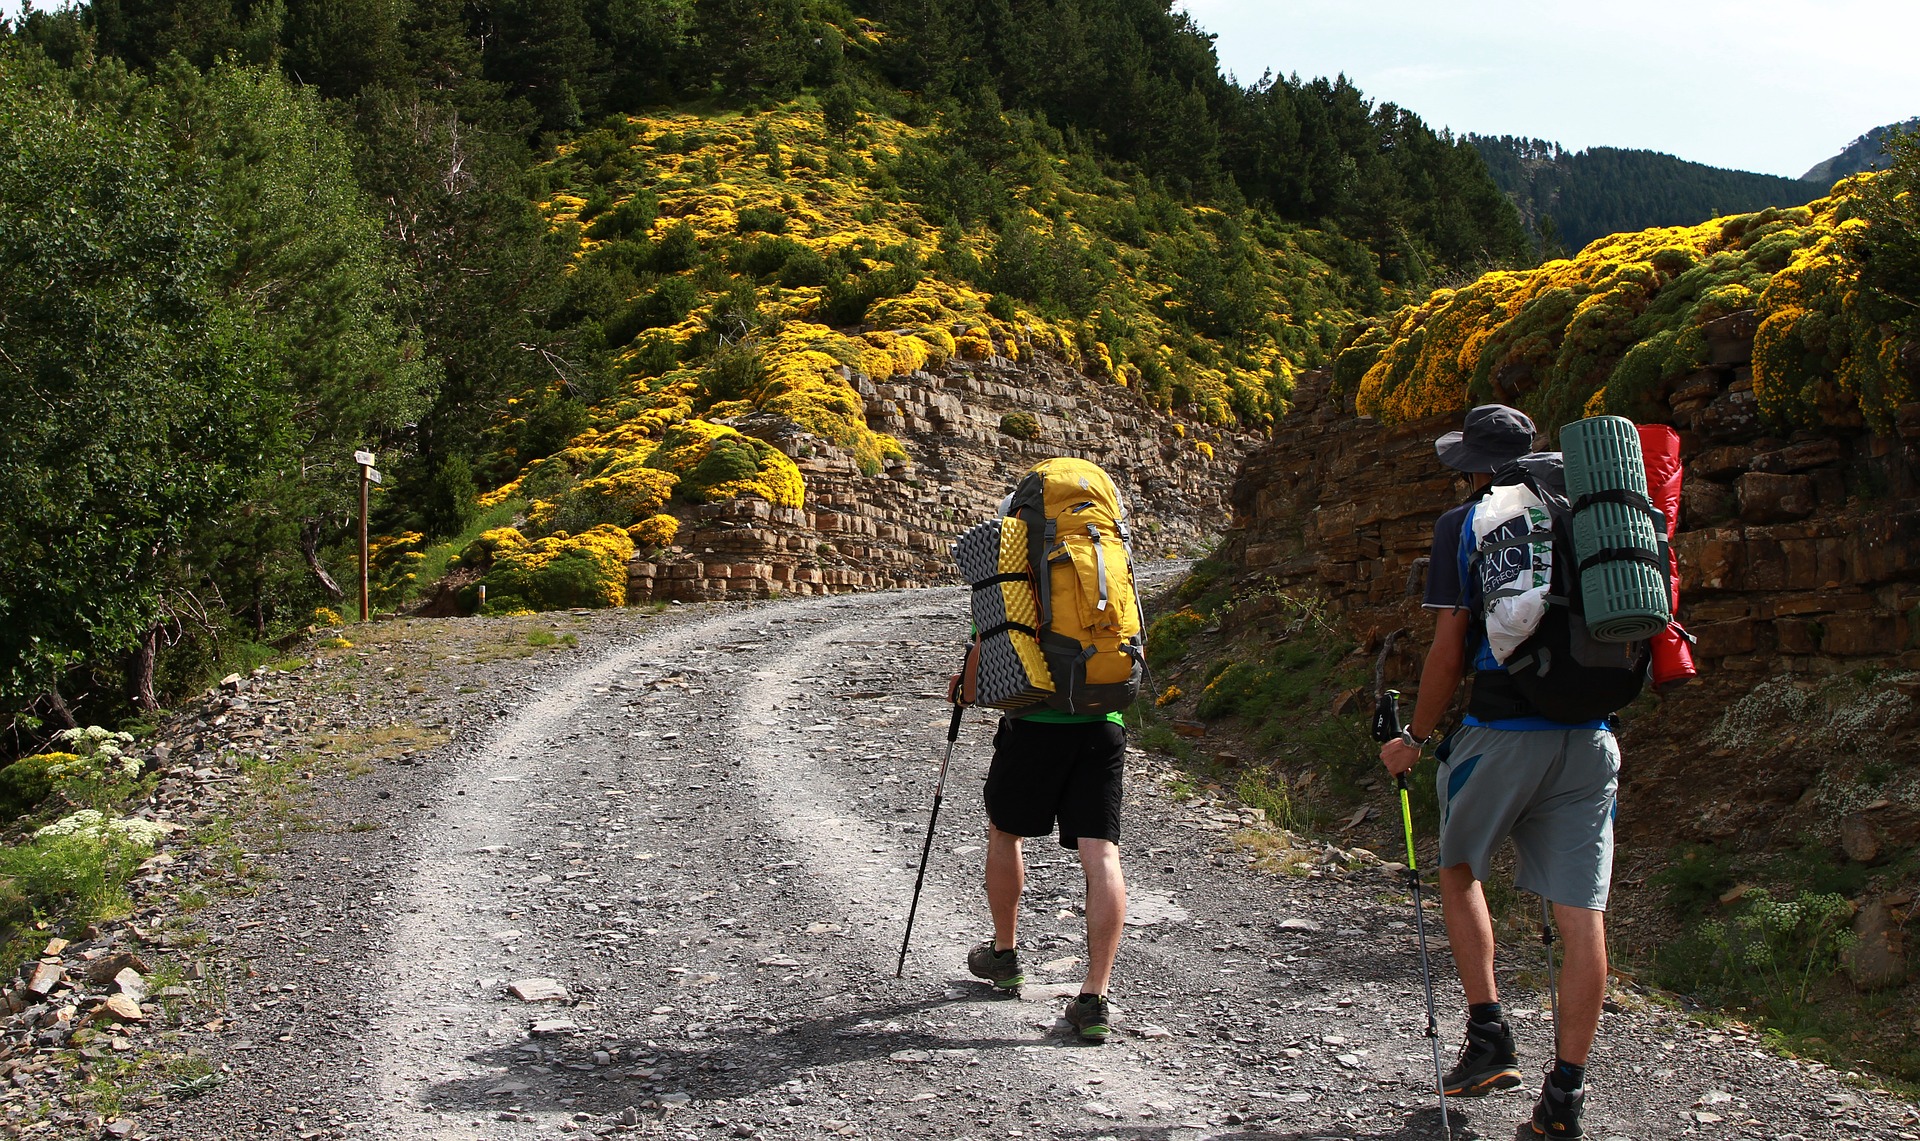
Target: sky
{"points": [[1773, 86]]}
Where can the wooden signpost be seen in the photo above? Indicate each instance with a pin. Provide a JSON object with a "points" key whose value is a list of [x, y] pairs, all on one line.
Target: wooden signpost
{"points": [[367, 476]]}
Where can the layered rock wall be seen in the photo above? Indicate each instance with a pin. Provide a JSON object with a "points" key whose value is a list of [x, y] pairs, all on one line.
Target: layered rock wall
{"points": [[896, 528]]}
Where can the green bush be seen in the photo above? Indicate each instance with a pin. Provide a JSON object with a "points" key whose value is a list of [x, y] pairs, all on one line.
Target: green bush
{"points": [[1167, 636], [73, 879], [759, 219], [1020, 425], [23, 785], [1768, 956], [731, 458], [1695, 879], [634, 216]]}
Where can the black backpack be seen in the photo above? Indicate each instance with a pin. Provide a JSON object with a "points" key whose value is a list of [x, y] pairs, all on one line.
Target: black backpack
{"points": [[1560, 672]]}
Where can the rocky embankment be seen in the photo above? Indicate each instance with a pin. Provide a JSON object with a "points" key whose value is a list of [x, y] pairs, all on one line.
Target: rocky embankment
{"points": [[1800, 559], [970, 428]]}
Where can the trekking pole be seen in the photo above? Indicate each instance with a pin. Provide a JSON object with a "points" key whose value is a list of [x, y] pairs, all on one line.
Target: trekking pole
{"points": [[1386, 727], [939, 790], [1553, 992]]}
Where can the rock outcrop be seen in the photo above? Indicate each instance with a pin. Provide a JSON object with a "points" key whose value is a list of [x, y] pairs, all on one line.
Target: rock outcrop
{"points": [[970, 429], [1800, 560]]}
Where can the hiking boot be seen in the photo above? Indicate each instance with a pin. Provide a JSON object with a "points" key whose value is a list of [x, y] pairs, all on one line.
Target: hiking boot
{"points": [[1486, 1063], [1557, 1113], [1091, 1016], [1001, 968]]}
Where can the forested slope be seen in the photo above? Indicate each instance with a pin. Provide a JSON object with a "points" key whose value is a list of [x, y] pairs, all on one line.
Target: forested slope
{"points": [[1868, 152], [1569, 198]]}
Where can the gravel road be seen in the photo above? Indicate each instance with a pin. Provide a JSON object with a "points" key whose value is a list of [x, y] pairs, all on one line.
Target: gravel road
{"points": [[698, 831]]}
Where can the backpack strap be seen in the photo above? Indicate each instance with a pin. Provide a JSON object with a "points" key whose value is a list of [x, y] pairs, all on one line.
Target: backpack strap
{"points": [[1006, 626], [1099, 566], [996, 580], [1625, 498], [1626, 554]]}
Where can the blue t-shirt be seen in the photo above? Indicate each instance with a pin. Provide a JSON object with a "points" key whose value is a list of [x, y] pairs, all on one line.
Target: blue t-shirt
{"points": [[1450, 587]]}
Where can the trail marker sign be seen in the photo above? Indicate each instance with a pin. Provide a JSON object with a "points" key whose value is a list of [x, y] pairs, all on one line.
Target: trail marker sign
{"points": [[364, 459]]}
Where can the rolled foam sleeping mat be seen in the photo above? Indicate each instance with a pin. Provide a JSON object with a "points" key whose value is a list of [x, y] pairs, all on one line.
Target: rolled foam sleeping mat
{"points": [[1012, 673], [1626, 597]]}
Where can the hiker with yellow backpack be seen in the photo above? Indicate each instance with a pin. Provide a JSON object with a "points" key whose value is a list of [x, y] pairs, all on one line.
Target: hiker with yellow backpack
{"points": [[1059, 648]]}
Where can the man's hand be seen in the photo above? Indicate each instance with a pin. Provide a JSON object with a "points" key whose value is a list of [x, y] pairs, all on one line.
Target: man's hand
{"points": [[1399, 757], [962, 688]]}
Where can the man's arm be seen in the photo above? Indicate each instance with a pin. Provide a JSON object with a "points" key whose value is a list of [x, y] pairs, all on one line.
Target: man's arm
{"points": [[1440, 677]]}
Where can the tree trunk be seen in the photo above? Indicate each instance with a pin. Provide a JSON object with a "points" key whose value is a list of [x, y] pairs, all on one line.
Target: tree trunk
{"points": [[57, 711], [140, 671], [310, 549]]}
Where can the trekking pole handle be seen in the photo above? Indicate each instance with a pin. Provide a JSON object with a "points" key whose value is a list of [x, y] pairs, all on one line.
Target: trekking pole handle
{"points": [[953, 726], [1386, 716]]}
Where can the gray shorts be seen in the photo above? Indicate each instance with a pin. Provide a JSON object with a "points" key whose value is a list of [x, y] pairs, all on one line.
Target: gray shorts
{"points": [[1551, 790]]}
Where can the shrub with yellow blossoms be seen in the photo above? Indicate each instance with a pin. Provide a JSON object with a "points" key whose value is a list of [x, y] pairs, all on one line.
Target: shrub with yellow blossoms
{"points": [[1603, 331]]}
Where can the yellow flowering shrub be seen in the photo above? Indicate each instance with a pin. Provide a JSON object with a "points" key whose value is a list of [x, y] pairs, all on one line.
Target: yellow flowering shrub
{"points": [[491, 545], [560, 571], [655, 532], [393, 562], [712, 462], [1604, 330], [628, 493]]}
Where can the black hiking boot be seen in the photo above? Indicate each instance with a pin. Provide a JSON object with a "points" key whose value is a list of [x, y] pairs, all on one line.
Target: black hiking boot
{"points": [[1557, 1113], [1486, 1063], [1091, 1016], [1001, 968]]}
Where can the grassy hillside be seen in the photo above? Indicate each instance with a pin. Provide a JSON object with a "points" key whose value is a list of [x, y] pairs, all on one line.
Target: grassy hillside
{"points": [[752, 262]]}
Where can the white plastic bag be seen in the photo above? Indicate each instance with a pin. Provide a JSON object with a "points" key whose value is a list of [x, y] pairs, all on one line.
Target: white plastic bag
{"points": [[1513, 564]]}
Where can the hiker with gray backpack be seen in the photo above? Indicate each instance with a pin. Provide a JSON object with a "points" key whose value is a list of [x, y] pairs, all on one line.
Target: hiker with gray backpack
{"points": [[1058, 648], [1551, 584]]}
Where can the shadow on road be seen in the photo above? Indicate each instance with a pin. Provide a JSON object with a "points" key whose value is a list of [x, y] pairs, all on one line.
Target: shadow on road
{"points": [[734, 1061]]}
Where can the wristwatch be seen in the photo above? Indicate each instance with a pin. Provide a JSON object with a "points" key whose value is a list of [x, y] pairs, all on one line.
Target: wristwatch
{"points": [[1407, 737]]}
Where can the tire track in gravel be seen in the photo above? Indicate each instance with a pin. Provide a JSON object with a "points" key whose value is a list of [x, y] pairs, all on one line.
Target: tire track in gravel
{"points": [[437, 1009], [864, 859]]}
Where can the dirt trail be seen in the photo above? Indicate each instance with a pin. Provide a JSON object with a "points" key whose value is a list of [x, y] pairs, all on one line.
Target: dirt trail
{"points": [[704, 828]]}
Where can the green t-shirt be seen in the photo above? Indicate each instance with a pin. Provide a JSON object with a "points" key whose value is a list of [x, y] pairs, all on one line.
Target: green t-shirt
{"points": [[1056, 717]]}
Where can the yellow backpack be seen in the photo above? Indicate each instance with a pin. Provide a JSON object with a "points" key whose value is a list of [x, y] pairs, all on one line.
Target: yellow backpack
{"points": [[1080, 551]]}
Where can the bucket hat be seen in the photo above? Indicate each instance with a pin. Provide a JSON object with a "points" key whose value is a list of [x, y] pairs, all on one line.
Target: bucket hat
{"points": [[1494, 434]]}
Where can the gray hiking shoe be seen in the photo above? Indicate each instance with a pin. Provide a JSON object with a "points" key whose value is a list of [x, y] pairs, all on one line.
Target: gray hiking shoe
{"points": [[1001, 968], [1557, 1113], [1091, 1016], [1487, 1062]]}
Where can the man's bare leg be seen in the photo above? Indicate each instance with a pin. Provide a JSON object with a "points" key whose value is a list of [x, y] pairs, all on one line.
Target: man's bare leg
{"points": [[1106, 910], [1583, 980], [1006, 879], [1469, 932]]}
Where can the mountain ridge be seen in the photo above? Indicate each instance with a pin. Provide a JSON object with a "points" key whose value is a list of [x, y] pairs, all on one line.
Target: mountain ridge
{"points": [[1567, 199], [1868, 152]]}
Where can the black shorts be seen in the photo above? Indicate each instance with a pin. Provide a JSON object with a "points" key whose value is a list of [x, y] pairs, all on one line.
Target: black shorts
{"points": [[1042, 771]]}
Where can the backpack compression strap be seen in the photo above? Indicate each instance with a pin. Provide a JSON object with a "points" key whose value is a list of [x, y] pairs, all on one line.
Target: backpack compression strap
{"points": [[1625, 498], [1099, 566], [996, 580]]}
